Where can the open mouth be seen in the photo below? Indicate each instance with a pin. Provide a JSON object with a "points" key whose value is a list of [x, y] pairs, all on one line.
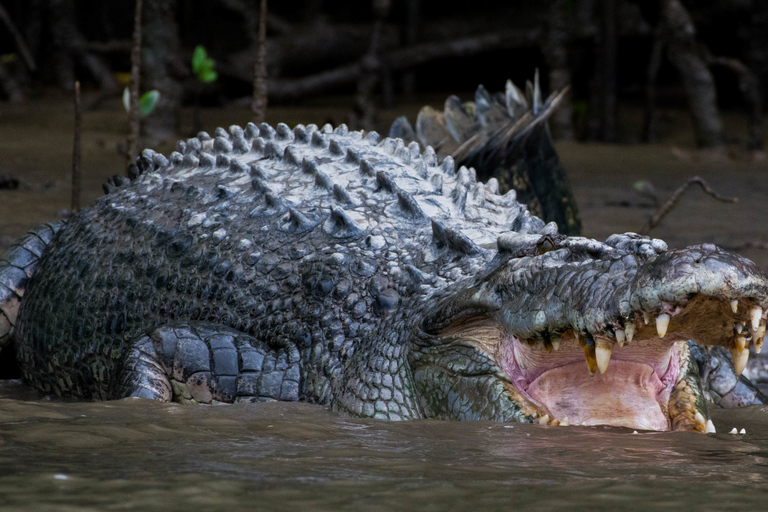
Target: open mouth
{"points": [[635, 372]]}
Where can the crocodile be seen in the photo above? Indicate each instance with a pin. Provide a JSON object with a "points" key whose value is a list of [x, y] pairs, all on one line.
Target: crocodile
{"points": [[329, 266]]}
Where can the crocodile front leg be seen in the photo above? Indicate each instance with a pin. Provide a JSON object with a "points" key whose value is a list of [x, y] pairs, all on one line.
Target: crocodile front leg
{"points": [[209, 364]]}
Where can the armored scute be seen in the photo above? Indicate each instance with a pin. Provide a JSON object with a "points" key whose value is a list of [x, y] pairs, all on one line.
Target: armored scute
{"points": [[328, 266]]}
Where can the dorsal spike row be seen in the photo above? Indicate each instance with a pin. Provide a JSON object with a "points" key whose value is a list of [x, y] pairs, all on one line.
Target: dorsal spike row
{"points": [[335, 148], [460, 119], [318, 140], [235, 131], [384, 181], [203, 136], [300, 134], [220, 132], [401, 152], [536, 103], [222, 144], [422, 170], [240, 144], [176, 159], [492, 186], [223, 161], [515, 99], [366, 168], [266, 131], [353, 157], [409, 205], [309, 166], [296, 221], [448, 166], [193, 145], [190, 161], [388, 144], [181, 146], [290, 156], [341, 195], [272, 150], [207, 161], [429, 157], [339, 225], [414, 150], [327, 128], [251, 131], [283, 132], [322, 180], [341, 130], [437, 182], [372, 138], [259, 184], [257, 172], [445, 237], [237, 167]]}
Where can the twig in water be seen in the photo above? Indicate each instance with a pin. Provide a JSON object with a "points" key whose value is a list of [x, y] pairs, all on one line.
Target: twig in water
{"points": [[673, 199], [75, 202]]}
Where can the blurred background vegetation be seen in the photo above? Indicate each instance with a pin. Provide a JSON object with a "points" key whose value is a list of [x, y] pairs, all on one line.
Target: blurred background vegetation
{"points": [[703, 55]]}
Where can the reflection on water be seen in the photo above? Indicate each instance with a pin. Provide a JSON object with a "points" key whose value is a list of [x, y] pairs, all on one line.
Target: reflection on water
{"points": [[139, 454]]}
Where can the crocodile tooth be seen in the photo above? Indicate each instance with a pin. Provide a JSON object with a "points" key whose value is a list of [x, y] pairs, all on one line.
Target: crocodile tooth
{"points": [[740, 357], [564, 422], [589, 355], [701, 423], [555, 344], [620, 336], [739, 327], [646, 317], [629, 331], [662, 322], [733, 431], [603, 349], [755, 312], [757, 340], [544, 419], [735, 306], [740, 342], [710, 428]]}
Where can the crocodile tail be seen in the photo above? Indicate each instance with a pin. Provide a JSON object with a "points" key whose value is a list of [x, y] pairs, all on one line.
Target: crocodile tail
{"points": [[17, 265], [504, 136]]}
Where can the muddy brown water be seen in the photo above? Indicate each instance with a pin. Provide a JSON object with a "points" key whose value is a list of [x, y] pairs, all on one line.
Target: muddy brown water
{"points": [[143, 455], [137, 454]]}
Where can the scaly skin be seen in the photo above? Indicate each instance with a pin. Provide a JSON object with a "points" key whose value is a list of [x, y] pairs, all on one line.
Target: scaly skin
{"points": [[318, 266]]}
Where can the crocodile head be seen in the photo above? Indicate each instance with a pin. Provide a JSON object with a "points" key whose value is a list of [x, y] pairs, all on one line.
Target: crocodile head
{"points": [[574, 331]]}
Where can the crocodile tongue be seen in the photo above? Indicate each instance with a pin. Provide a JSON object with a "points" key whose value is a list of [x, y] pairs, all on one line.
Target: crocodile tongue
{"points": [[634, 391]]}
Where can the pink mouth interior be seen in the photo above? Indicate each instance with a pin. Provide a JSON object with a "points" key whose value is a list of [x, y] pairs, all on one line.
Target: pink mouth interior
{"points": [[633, 392]]}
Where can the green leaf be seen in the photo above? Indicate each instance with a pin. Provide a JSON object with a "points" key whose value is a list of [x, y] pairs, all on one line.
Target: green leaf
{"points": [[208, 76], [127, 99], [148, 101], [198, 57]]}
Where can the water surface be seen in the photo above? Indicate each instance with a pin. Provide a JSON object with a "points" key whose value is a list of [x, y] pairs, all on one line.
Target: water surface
{"points": [[138, 454]]}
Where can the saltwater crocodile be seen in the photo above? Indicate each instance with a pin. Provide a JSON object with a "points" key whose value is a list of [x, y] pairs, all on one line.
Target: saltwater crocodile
{"points": [[328, 266]]}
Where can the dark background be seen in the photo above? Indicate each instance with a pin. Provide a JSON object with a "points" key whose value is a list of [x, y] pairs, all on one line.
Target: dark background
{"points": [[711, 55]]}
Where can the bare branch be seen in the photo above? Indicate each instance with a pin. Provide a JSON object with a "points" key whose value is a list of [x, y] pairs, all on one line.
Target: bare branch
{"points": [[673, 199]]}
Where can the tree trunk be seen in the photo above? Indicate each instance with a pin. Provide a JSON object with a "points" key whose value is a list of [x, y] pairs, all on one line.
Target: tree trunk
{"points": [[608, 61], [70, 47], [683, 53], [555, 50], [651, 115], [161, 69]]}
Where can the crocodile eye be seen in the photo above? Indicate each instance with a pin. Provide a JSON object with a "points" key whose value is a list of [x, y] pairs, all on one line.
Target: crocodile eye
{"points": [[544, 246]]}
